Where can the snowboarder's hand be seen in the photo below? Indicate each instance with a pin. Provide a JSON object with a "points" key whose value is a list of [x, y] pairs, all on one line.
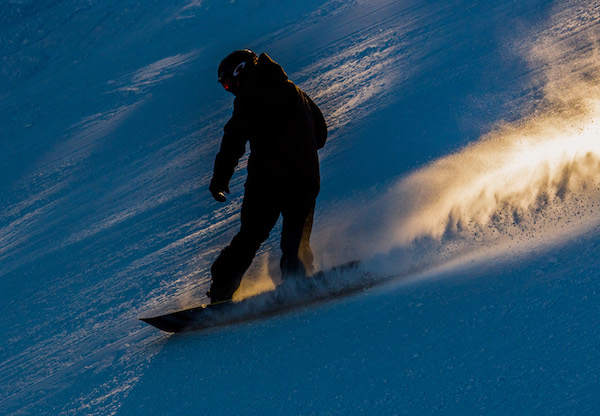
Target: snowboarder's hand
{"points": [[218, 193], [219, 196]]}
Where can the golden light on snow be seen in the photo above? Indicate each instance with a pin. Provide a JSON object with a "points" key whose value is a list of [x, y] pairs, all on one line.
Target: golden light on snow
{"points": [[516, 171], [533, 179], [257, 280]]}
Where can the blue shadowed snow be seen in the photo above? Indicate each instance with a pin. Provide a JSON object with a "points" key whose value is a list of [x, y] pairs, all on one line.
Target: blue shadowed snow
{"points": [[462, 168], [470, 341]]}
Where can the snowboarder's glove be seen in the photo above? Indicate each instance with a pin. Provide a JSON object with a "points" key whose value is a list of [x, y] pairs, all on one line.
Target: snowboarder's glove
{"points": [[218, 191]]}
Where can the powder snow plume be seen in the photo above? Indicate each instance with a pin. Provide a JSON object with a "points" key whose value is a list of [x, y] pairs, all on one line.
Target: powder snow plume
{"points": [[530, 180]]}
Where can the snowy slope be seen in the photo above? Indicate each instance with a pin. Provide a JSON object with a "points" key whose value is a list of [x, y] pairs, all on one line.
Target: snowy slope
{"points": [[462, 165]]}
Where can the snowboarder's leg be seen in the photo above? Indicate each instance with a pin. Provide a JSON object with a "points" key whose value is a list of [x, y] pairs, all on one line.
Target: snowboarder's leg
{"points": [[258, 217], [297, 257]]}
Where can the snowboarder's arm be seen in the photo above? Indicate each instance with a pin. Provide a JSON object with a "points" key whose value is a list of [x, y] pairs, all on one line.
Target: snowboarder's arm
{"points": [[320, 124], [233, 147]]}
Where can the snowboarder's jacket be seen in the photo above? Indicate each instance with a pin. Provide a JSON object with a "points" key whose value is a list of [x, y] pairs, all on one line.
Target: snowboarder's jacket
{"points": [[285, 129]]}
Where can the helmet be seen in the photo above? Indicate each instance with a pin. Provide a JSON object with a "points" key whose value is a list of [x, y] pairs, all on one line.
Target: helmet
{"points": [[235, 68]]}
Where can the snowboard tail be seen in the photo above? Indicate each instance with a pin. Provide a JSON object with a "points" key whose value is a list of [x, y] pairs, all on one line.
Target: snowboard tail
{"points": [[181, 320]]}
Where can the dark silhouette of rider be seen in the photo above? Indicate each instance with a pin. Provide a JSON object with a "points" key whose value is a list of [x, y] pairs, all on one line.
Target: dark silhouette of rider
{"points": [[285, 129]]}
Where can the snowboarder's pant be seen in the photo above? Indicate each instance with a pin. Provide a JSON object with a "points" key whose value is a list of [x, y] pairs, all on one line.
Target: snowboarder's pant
{"points": [[260, 212]]}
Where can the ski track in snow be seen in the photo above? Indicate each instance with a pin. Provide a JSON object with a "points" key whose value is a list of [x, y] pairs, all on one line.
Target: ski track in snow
{"points": [[115, 237]]}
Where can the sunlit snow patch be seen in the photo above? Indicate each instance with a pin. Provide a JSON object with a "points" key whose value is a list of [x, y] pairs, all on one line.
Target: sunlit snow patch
{"points": [[154, 73], [534, 181]]}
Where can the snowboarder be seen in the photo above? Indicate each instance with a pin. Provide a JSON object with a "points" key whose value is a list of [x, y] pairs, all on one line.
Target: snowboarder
{"points": [[285, 129]]}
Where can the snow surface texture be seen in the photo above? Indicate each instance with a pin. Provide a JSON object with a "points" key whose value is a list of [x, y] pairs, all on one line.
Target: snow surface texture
{"points": [[463, 168]]}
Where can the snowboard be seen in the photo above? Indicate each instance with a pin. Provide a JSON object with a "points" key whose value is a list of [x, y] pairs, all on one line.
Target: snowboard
{"points": [[291, 294]]}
